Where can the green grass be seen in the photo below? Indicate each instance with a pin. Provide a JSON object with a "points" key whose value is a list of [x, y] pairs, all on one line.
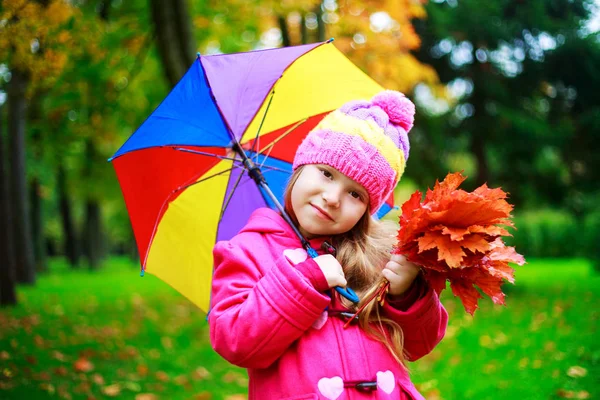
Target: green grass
{"points": [[80, 335], [535, 347]]}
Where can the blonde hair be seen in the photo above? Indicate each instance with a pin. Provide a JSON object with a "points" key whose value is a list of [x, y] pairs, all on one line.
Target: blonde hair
{"points": [[363, 251]]}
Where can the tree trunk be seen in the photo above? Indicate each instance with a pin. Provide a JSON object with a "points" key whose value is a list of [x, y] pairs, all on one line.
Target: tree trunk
{"points": [[104, 9], [175, 42], [39, 248], [71, 242], [93, 240], [285, 33], [303, 30], [92, 232], [7, 263], [478, 149], [320, 23], [25, 268], [185, 33]]}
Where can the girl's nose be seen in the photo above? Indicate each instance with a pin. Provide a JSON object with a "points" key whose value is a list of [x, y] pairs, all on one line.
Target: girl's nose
{"points": [[332, 197]]}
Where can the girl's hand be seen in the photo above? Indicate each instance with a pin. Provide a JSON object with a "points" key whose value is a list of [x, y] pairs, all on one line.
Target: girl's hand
{"points": [[400, 273], [332, 270]]}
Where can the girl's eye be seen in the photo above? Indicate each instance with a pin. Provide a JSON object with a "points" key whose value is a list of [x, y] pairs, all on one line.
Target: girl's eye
{"points": [[326, 173], [356, 195]]}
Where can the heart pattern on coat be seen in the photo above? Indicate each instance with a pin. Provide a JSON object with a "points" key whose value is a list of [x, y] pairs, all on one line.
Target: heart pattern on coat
{"points": [[386, 381], [295, 256], [331, 388], [318, 324]]}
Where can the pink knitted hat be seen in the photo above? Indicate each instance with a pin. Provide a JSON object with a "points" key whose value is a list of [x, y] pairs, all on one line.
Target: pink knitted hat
{"points": [[365, 140]]}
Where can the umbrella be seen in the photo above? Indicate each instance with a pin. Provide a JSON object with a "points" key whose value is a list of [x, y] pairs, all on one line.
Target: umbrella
{"points": [[198, 166]]}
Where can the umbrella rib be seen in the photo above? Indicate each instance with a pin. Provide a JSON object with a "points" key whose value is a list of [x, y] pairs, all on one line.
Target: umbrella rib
{"points": [[205, 154], [231, 195], [276, 169], [279, 138], [208, 177], [257, 138]]}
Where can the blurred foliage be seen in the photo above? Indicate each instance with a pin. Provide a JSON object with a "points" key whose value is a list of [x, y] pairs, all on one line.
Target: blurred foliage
{"points": [[525, 109], [546, 232]]}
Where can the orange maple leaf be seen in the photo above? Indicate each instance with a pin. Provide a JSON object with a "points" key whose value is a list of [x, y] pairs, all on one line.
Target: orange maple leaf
{"points": [[456, 236], [475, 243]]}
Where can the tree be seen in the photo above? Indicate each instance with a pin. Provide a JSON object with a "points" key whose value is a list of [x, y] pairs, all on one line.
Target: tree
{"points": [[25, 271], [377, 35], [7, 262], [493, 56], [71, 241], [33, 64], [174, 37]]}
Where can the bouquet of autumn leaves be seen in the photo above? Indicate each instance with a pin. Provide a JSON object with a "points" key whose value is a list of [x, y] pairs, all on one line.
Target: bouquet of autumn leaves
{"points": [[456, 236]]}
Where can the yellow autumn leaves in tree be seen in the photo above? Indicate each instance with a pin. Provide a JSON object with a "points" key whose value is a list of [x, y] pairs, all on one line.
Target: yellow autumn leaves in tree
{"points": [[33, 38], [377, 35]]}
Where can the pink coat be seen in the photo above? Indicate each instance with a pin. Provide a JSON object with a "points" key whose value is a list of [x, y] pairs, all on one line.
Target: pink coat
{"points": [[268, 302]]}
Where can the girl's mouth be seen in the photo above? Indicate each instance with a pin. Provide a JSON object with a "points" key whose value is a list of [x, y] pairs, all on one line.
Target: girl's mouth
{"points": [[322, 213]]}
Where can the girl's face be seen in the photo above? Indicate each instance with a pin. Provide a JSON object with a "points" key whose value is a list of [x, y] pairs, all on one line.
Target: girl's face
{"points": [[327, 202]]}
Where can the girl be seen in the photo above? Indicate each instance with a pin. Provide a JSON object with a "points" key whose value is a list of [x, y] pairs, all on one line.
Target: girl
{"points": [[273, 310]]}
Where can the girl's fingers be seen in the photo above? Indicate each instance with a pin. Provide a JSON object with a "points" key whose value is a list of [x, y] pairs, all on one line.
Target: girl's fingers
{"points": [[393, 266], [398, 258], [391, 276]]}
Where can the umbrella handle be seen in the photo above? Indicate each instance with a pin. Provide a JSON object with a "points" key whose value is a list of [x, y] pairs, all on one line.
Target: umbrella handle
{"points": [[347, 293]]}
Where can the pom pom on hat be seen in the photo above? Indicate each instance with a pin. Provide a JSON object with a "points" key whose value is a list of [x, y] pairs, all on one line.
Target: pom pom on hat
{"points": [[399, 109]]}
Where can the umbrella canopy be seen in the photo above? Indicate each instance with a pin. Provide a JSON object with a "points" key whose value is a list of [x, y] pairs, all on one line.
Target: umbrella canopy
{"points": [[184, 184]]}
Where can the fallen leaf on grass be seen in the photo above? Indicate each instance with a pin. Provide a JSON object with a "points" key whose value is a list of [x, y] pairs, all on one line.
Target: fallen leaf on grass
{"points": [[146, 396], [83, 365], [142, 370], [42, 376], [61, 371], [231, 377], [237, 397], [48, 387], [98, 379], [200, 373], [38, 341], [203, 396], [132, 386], [154, 354], [83, 387], [31, 360], [524, 363], [167, 342], [570, 394], [162, 376], [4, 355], [57, 355], [433, 394], [112, 390], [577, 372], [156, 387]]}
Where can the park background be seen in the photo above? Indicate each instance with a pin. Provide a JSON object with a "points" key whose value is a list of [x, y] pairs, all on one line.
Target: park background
{"points": [[506, 91]]}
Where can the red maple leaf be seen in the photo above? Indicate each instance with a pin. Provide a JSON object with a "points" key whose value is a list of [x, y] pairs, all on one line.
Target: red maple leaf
{"points": [[456, 236]]}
